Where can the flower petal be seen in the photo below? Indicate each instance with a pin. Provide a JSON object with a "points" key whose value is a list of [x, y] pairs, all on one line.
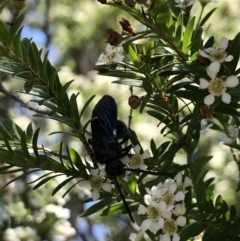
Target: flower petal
{"points": [[213, 69], [109, 48], [107, 187], [187, 182], [209, 99], [95, 171], [146, 154], [118, 58], [172, 187], [202, 53], [95, 195], [137, 149], [223, 43], [178, 178], [209, 50], [224, 138], [160, 223], [146, 224], [176, 237], [165, 237], [147, 199], [203, 83], [229, 58], [125, 160], [179, 196], [181, 221], [232, 81], [162, 206], [141, 210], [154, 227], [226, 98]]}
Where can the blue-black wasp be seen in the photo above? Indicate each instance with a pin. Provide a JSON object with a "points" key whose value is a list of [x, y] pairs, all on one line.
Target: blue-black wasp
{"points": [[107, 150]]}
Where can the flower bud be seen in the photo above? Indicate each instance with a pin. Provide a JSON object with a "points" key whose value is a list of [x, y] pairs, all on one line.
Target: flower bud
{"points": [[134, 101], [127, 27], [114, 38]]}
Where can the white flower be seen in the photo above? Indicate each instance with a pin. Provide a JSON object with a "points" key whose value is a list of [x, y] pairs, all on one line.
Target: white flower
{"points": [[57, 210], [170, 228], [137, 160], [155, 212], [217, 54], [204, 126], [62, 230], [184, 3], [96, 183], [182, 185], [217, 86], [21, 233], [231, 136], [163, 210], [111, 55]]}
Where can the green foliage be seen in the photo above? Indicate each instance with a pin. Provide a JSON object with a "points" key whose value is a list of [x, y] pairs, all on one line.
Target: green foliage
{"points": [[172, 69]]}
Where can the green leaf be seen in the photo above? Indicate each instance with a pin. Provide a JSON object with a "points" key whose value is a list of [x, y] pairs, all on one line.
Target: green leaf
{"points": [[192, 230], [70, 158], [6, 141], [118, 208], [76, 159], [131, 54], [96, 207], [28, 85], [147, 86], [129, 82], [188, 35], [69, 189], [20, 176], [45, 180], [3, 33], [35, 143], [29, 132], [62, 184], [159, 116], [24, 146], [207, 16], [211, 234], [86, 105], [233, 50]]}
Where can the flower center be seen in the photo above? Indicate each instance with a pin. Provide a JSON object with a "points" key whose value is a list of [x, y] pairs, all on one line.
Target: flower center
{"points": [[168, 198], [170, 226], [217, 87], [136, 161], [218, 55], [96, 182], [153, 213]]}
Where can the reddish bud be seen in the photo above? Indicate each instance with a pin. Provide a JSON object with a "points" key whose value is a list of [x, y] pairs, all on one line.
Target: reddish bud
{"points": [[114, 38], [199, 61], [205, 112], [134, 101], [127, 27], [167, 99], [229, 45], [101, 70]]}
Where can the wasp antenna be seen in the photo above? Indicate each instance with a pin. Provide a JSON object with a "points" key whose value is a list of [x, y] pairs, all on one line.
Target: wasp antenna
{"points": [[156, 173], [123, 199]]}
